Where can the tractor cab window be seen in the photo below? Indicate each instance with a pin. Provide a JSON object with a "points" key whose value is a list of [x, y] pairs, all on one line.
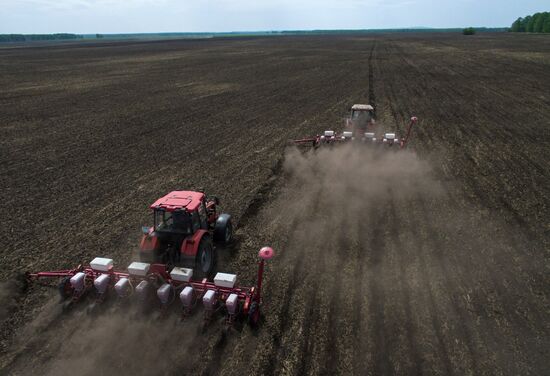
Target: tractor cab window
{"points": [[361, 116], [177, 221], [163, 220]]}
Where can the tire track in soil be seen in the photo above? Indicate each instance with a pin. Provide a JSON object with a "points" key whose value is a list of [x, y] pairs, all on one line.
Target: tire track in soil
{"points": [[376, 291], [309, 320], [372, 96], [360, 348], [460, 315], [295, 274], [405, 290], [305, 292], [494, 315], [324, 353], [322, 341], [344, 321], [343, 249], [434, 313], [484, 309], [299, 262]]}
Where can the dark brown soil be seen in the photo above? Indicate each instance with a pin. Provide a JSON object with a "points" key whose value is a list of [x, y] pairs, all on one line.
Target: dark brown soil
{"points": [[433, 260]]}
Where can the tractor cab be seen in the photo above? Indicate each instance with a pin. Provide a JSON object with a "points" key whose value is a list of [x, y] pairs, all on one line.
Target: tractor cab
{"points": [[180, 213], [184, 225], [361, 119], [362, 111]]}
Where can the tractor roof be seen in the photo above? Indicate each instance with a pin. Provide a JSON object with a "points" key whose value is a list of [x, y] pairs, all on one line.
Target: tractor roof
{"points": [[179, 200], [362, 107]]}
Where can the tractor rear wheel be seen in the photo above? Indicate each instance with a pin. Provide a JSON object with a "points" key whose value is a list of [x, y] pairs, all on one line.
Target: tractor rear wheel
{"points": [[228, 235], [223, 231], [205, 261]]}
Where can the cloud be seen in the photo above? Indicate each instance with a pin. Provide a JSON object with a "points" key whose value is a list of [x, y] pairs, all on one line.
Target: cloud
{"points": [[46, 5], [71, 5], [231, 5]]}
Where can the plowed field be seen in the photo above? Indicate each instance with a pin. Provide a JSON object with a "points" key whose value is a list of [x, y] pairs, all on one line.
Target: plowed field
{"points": [[433, 260]]}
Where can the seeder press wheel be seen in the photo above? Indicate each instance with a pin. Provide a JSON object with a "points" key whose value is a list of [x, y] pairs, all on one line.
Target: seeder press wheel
{"points": [[64, 287]]}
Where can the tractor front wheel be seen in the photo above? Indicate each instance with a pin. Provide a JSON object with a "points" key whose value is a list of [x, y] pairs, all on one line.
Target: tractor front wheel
{"points": [[205, 262]]}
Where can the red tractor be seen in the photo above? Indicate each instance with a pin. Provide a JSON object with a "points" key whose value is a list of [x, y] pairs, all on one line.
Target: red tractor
{"points": [[185, 224], [360, 126]]}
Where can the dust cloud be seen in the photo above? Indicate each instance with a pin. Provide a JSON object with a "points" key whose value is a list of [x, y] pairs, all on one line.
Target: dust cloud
{"points": [[7, 302], [377, 253], [10, 292], [117, 337], [336, 227], [351, 179], [116, 342]]}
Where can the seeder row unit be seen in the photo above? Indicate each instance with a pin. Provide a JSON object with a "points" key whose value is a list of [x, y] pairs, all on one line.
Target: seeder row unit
{"points": [[164, 284], [331, 137]]}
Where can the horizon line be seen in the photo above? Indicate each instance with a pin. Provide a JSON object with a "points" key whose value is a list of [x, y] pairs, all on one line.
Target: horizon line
{"points": [[264, 31]]}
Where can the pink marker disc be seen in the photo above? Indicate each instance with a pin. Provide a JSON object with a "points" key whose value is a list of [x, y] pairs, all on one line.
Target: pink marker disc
{"points": [[266, 253]]}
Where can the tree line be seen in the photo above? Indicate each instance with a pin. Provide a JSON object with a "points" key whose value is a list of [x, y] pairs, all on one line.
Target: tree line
{"points": [[537, 23], [33, 37]]}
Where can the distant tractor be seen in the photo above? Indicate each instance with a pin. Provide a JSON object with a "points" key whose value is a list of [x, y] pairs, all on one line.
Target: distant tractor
{"points": [[359, 127], [185, 224]]}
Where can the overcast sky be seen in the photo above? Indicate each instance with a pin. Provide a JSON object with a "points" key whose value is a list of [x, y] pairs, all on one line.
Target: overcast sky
{"points": [[137, 16]]}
